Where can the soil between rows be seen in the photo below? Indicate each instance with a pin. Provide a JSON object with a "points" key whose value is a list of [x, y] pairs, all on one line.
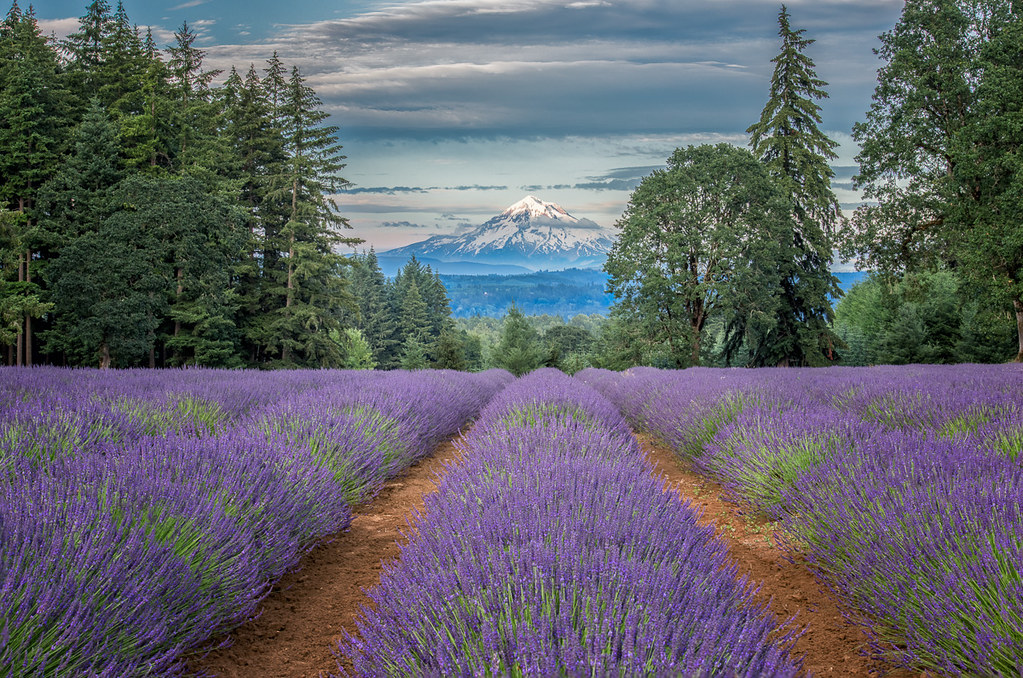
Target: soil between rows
{"points": [[830, 645], [303, 617]]}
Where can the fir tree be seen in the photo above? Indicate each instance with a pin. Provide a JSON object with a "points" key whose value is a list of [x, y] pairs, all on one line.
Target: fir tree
{"points": [[376, 318], [519, 350], [34, 118], [85, 49], [788, 140], [310, 290]]}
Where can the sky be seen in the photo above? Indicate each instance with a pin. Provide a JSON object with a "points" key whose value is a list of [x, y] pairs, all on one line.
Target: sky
{"points": [[451, 110]]}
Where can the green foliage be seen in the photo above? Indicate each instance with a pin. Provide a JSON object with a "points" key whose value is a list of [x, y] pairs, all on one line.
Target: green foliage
{"points": [[928, 317], [789, 142], [568, 348], [184, 224], [519, 350], [450, 351], [940, 147], [357, 352], [698, 239], [413, 354], [375, 319]]}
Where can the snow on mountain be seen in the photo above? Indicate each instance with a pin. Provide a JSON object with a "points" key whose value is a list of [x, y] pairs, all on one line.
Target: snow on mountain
{"points": [[531, 233]]}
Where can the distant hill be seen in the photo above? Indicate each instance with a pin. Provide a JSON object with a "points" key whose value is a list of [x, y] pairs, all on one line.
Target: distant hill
{"points": [[566, 293], [390, 265]]}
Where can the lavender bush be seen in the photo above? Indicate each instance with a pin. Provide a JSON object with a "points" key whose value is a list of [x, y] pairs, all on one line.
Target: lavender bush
{"points": [[142, 512], [553, 550], [900, 484]]}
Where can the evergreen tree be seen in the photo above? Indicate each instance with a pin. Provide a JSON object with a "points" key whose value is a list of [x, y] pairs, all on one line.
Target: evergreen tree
{"points": [[519, 350], [85, 50], [357, 352], [413, 354], [198, 236], [414, 318], [789, 142], [376, 316], [34, 118], [146, 114], [309, 290], [257, 155], [198, 147], [449, 351]]}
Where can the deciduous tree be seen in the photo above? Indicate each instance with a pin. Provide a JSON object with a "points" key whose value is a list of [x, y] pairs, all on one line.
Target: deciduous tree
{"points": [[698, 238]]}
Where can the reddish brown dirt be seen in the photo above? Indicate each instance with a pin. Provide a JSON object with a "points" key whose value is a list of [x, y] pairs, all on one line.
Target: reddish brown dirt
{"points": [[303, 616], [830, 646]]}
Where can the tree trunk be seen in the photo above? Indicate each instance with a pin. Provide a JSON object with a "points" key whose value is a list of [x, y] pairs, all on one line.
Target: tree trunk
{"points": [[1018, 304], [291, 257], [28, 317], [20, 343], [177, 300], [104, 357]]}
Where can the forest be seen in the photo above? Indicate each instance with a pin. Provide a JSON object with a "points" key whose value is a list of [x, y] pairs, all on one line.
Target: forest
{"points": [[155, 212]]}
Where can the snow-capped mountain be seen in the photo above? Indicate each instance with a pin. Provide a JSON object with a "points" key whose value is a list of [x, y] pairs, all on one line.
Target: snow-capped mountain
{"points": [[530, 233]]}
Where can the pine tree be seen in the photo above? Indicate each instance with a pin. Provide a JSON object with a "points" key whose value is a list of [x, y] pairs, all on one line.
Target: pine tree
{"points": [[146, 115], [198, 150], [34, 117], [86, 50], [788, 140], [449, 351], [376, 318], [414, 319], [519, 350], [309, 290]]}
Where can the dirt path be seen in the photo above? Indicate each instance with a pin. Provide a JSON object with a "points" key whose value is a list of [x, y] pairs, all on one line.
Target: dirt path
{"points": [[830, 645], [303, 616]]}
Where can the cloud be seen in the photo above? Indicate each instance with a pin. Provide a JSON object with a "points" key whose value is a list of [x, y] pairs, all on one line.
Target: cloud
{"points": [[187, 5], [402, 224], [618, 179], [389, 190], [59, 27], [491, 68], [394, 190]]}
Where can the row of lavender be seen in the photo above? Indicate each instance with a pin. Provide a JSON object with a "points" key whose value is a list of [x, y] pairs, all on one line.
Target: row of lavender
{"points": [[552, 549], [144, 512], [902, 485]]}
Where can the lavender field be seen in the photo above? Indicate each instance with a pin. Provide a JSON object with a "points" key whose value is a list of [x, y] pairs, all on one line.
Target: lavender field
{"points": [[145, 513], [553, 550], [903, 486]]}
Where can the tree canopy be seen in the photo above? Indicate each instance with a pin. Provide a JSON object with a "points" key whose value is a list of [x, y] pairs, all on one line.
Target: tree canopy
{"points": [[699, 237]]}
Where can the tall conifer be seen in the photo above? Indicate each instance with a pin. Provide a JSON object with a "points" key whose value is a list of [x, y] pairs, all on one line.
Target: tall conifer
{"points": [[789, 141]]}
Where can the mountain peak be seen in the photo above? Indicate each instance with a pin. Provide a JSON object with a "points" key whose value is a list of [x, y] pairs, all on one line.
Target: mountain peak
{"points": [[535, 207], [531, 233]]}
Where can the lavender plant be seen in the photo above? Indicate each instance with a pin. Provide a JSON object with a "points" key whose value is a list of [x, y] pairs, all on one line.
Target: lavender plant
{"points": [[901, 484], [552, 550], [143, 512]]}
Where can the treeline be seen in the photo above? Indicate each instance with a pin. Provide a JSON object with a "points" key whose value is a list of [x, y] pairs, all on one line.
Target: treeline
{"points": [[556, 293], [405, 322], [149, 217], [724, 256]]}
